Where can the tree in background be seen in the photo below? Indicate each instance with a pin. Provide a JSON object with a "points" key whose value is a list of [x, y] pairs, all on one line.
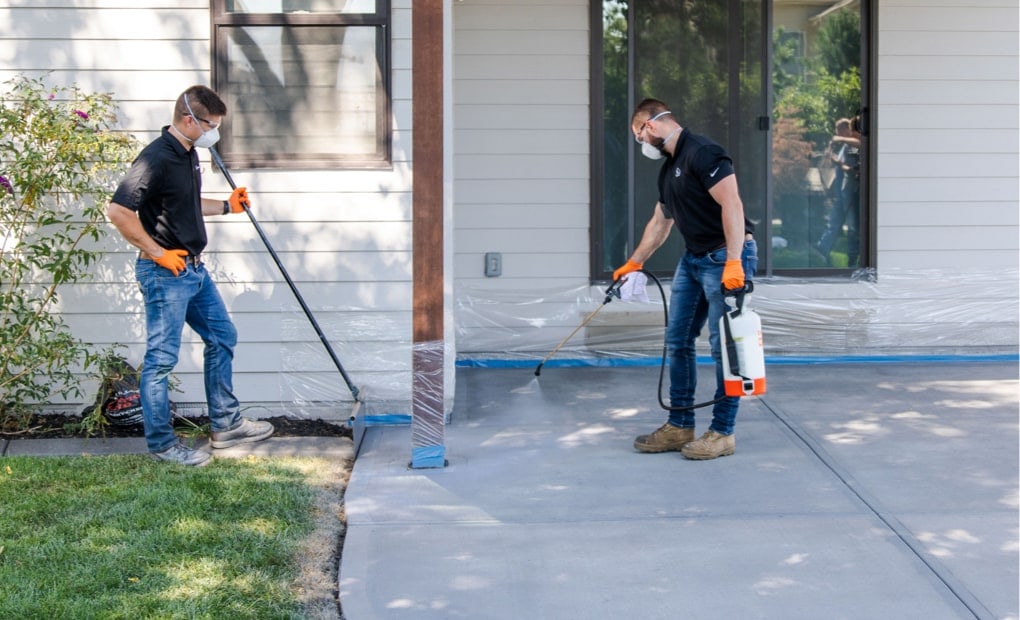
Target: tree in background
{"points": [[831, 86]]}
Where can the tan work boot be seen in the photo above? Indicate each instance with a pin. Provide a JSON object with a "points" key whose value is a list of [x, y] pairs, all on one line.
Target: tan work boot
{"points": [[709, 446], [665, 439]]}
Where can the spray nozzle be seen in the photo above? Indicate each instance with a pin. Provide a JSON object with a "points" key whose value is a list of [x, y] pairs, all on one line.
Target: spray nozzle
{"points": [[614, 290]]}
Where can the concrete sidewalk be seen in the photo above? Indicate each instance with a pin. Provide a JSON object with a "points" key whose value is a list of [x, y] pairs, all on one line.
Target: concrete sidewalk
{"points": [[871, 490]]}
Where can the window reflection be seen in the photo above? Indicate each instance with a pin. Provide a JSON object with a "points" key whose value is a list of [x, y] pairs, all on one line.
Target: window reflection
{"points": [[816, 215]]}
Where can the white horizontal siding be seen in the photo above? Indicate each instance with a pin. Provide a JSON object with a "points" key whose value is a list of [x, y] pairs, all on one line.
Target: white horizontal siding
{"points": [[907, 214], [960, 238], [976, 16], [968, 92], [105, 24], [344, 236], [934, 115], [946, 184], [38, 55], [241, 296], [111, 4], [948, 134], [521, 144], [505, 215], [897, 141]]}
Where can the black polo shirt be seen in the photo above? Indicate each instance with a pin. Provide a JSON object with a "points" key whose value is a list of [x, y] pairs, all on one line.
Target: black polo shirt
{"points": [[164, 186], [684, 180]]}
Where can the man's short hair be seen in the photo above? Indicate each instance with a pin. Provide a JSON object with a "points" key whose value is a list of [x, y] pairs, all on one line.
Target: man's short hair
{"points": [[203, 101], [648, 108]]}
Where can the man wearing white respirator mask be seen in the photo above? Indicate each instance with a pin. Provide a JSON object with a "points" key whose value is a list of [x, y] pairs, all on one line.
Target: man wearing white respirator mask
{"points": [[158, 207], [698, 192]]}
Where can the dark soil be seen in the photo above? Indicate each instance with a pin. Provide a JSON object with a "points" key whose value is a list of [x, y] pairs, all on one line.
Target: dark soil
{"points": [[52, 426]]}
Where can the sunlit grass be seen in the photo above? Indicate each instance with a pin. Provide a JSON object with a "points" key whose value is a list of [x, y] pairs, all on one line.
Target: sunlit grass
{"points": [[128, 537]]}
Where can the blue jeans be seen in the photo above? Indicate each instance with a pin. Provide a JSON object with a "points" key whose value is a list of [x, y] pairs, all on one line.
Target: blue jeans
{"points": [[846, 209], [696, 297], [170, 302]]}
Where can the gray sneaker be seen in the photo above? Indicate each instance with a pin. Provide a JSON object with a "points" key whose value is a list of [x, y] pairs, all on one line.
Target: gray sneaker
{"points": [[179, 453], [248, 431]]}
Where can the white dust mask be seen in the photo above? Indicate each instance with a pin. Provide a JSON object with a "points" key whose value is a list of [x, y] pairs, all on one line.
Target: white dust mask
{"points": [[651, 152], [208, 139]]}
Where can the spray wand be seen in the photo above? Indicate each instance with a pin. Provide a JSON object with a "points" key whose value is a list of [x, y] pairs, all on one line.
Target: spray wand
{"points": [[286, 276], [612, 291]]}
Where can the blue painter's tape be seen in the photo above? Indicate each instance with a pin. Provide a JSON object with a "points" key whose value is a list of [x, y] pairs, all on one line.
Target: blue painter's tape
{"points": [[428, 457], [388, 419], [778, 359], [569, 363], [890, 359]]}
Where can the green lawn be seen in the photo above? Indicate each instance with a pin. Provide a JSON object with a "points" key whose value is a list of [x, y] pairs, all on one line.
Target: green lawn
{"points": [[127, 537]]}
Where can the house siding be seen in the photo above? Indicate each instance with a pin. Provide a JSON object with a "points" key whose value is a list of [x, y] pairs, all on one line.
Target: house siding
{"points": [[344, 236], [948, 135], [521, 148], [945, 190]]}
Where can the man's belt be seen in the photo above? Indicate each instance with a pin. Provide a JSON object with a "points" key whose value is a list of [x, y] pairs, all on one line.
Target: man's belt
{"points": [[192, 259], [747, 237]]}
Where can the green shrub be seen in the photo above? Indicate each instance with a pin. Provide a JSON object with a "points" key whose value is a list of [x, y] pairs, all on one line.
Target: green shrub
{"points": [[59, 162]]}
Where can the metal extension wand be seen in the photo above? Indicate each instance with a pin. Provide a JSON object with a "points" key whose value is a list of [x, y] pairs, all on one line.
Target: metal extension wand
{"points": [[286, 276]]}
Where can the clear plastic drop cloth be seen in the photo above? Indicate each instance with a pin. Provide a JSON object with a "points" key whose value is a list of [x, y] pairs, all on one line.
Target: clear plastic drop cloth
{"points": [[895, 312]]}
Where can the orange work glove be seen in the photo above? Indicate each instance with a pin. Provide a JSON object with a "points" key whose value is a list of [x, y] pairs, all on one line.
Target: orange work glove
{"points": [[733, 275], [628, 267], [239, 200], [172, 260]]}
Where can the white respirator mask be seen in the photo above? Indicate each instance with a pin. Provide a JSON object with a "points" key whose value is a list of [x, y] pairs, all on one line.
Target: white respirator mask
{"points": [[209, 138]]}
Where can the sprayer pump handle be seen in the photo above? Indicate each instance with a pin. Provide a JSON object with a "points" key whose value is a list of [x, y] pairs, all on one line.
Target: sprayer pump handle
{"points": [[732, 292], [737, 295]]}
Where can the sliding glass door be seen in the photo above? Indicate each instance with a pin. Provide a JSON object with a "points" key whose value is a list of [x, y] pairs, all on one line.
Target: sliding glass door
{"points": [[766, 79]]}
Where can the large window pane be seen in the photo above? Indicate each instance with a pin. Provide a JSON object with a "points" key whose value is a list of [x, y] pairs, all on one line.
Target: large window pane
{"points": [[617, 142], [767, 79], [305, 81], [817, 216], [310, 91]]}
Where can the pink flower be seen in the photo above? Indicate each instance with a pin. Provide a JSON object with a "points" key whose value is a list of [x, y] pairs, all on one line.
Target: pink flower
{"points": [[82, 115]]}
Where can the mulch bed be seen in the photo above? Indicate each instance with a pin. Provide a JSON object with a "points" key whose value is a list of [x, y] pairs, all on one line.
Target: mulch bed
{"points": [[57, 426]]}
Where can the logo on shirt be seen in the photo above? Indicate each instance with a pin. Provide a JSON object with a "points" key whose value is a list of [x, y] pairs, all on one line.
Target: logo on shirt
{"points": [[678, 172], [712, 174]]}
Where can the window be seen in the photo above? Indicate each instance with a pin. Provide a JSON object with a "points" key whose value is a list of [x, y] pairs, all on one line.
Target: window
{"points": [[306, 82], [767, 79]]}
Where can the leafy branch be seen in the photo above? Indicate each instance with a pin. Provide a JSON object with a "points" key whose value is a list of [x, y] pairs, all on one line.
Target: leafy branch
{"points": [[59, 161]]}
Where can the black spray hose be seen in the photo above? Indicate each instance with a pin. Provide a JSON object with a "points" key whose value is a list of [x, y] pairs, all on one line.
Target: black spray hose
{"points": [[293, 288], [662, 366]]}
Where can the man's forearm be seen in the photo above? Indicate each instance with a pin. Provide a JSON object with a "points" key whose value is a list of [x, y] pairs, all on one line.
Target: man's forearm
{"points": [[130, 227], [656, 232]]}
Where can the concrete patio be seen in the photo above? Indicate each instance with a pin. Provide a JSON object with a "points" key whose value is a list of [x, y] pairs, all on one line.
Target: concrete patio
{"points": [[858, 490]]}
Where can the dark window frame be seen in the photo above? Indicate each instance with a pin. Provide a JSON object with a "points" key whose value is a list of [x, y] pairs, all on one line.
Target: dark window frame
{"points": [[221, 20], [600, 272]]}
